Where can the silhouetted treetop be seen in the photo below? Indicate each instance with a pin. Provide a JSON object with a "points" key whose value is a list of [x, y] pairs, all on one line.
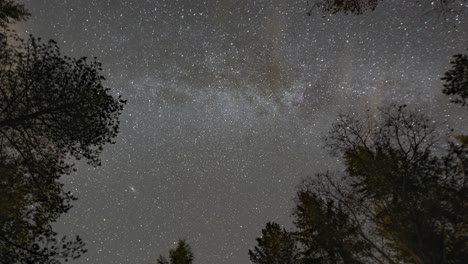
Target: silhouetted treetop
{"points": [[359, 7], [356, 7], [12, 11], [411, 182], [457, 79], [181, 254], [53, 106], [275, 246], [326, 230], [401, 198]]}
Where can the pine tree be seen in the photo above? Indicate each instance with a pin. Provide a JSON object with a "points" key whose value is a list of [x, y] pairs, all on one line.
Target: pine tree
{"points": [[181, 254], [456, 79], [275, 246]]}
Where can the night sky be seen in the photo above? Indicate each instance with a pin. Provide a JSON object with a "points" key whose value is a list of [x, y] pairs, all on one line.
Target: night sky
{"points": [[227, 104]]}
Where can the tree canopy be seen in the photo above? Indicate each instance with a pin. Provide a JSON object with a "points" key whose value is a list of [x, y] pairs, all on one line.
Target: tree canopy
{"points": [[402, 197], [27, 212], [181, 254], [11, 11], [356, 7], [405, 182], [456, 79], [359, 7], [275, 246], [325, 231], [53, 109]]}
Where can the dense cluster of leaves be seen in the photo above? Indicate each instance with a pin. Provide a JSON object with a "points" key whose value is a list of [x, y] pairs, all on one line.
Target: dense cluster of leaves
{"points": [[52, 108], [182, 254]]}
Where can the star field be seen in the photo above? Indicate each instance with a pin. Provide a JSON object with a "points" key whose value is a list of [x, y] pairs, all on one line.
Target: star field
{"points": [[227, 104]]}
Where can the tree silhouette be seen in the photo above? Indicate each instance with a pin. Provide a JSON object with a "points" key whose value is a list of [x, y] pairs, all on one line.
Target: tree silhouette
{"points": [[275, 246], [326, 232], [359, 7], [457, 79], [399, 184], [182, 254], [402, 198], [11, 11], [26, 234], [356, 7], [52, 108]]}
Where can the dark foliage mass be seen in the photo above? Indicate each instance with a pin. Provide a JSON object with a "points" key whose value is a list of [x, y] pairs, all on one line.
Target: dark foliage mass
{"points": [[52, 109], [54, 106], [441, 8], [276, 246], [181, 254], [325, 231], [408, 185], [11, 11], [457, 79], [356, 7], [402, 197], [28, 207]]}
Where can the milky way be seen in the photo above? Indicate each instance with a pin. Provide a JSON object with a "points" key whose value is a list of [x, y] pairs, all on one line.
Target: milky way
{"points": [[227, 104]]}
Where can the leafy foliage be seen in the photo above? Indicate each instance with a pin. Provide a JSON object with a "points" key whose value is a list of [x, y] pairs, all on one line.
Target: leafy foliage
{"points": [[275, 246], [28, 207], [52, 108], [325, 231], [443, 8], [457, 79], [11, 11], [402, 197], [412, 195], [355, 7]]}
